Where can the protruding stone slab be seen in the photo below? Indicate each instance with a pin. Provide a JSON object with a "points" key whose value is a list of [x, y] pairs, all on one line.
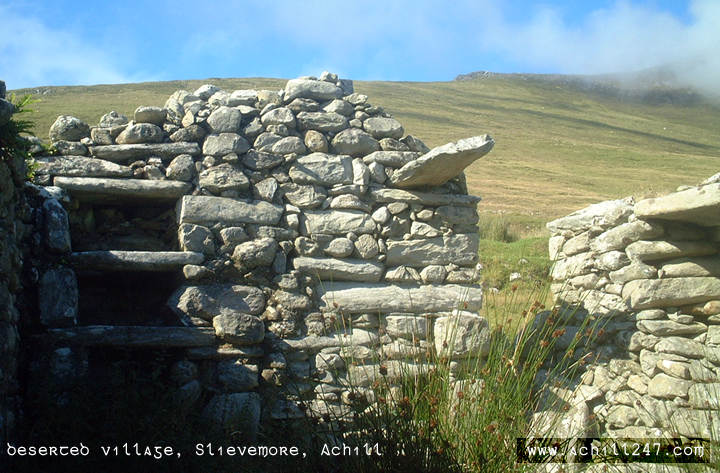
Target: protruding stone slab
{"points": [[658, 250], [697, 205], [311, 89], [99, 189], [424, 198], [673, 292], [603, 214], [112, 260], [332, 269], [80, 166], [208, 210], [443, 163], [457, 249], [355, 298], [323, 169], [338, 222], [211, 300], [124, 153], [691, 267], [134, 336]]}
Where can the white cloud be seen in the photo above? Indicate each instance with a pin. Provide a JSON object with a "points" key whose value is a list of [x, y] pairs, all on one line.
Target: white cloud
{"points": [[32, 54]]}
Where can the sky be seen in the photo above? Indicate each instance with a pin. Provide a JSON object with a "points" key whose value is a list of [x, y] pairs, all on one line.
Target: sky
{"points": [[77, 42]]}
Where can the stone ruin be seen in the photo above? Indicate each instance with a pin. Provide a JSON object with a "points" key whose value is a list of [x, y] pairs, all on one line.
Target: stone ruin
{"points": [[650, 272], [282, 244]]}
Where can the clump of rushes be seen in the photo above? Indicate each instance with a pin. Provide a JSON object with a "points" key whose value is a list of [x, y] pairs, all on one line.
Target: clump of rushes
{"points": [[465, 415]]}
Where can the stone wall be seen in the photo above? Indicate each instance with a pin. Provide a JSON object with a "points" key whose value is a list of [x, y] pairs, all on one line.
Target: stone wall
{"points": [[12, 214], [304, 241], [651, 272]]}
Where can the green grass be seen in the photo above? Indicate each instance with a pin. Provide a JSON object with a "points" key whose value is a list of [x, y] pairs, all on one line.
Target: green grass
{"points": [[558, 148]]}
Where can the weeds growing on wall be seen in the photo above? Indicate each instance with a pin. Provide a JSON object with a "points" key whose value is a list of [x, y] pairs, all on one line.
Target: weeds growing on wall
{"points": [[12, 144]]}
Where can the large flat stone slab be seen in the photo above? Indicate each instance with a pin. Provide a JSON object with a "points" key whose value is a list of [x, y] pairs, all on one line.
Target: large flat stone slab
{"points": [[209, 210], [338, 222], [672, 292], [100, 189], [113, 260], [352, 297], [333, 269], [134, 336], [80, 166], [441, 164], [699, 205], [461, 248], [424, 198], [124, 153], [603, 214]]}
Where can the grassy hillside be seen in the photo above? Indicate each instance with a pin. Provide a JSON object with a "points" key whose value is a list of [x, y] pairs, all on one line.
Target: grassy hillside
{"points": [[558, 148]]}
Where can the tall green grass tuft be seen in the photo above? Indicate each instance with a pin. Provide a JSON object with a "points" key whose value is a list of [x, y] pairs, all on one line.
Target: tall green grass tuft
{"points": [[465, 415]]}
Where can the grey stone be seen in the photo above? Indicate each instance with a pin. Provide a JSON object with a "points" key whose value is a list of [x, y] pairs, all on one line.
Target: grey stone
{"points": [[246, 97], [259, 160], [211, 210], [338, 222], [303, 105], [604, 214], [577, 244], [225, 143], [391, 144], [205, 91], [407, 326], [349, 201], [322, 121], [458, 249], [680, 346], [235, 376], [288, 145], [279, 116], [316, 142], [424, 198], [254, 253], [662, 328], [58, 298], [361, 173], [691, 267], [208, 301], [340, 106], [658, 250], [196, 238], [402, 274], [303, 196], [231, 236], [225, 120], [385, 298], [311, 89], [56, 227], [232, 413], [103, 136], [68, 128], [667, 387], [115, 260], [366, 246], [695, 423], [381, 215], [354, 142], [377, 172], [139, 133], [112, 119], [635, 270], [224, 177], [393, 159], [266, 189], [696, 205], [622, 235], [154, 115], [380, 127], [456, 215], [611, 261], [340, 248], [705, 396], [76, 166], [323, 169], [652, 293], [443, 163], [193, 132], [433, 274], [124, 153], [415, 144], [134, 336], [331, 269], [98, 189], [70, 148], [182, 168], [462, 335]]}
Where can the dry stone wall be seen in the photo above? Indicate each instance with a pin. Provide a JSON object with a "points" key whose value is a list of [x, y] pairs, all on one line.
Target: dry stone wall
{"points": [[303, 241], [650, 271]]}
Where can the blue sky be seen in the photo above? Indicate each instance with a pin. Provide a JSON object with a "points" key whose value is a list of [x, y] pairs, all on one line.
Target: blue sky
{"points": [[82, 42]]}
